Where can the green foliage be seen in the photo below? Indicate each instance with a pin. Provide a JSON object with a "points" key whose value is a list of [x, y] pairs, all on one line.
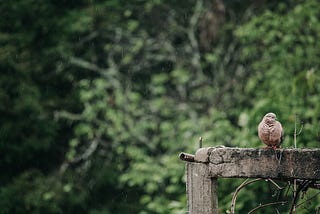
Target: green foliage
{"points": [[285, 73], [99, 97]]}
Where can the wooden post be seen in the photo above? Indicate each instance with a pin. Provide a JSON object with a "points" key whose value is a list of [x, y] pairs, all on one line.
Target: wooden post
{"points": [[202, 195], [212, 163]]}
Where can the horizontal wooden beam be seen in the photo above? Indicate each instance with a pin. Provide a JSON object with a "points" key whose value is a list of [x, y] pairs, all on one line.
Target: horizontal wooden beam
{"points": [[261, 163]]}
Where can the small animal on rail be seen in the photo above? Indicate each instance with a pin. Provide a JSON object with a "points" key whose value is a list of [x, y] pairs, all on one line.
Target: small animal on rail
{"points": [[270, 131]]}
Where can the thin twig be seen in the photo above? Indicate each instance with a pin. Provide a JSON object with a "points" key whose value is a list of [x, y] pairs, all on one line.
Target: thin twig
{"points": [[88, 152], [274, 183], [295, 197], [82, 63], [293, 206], [295, 132], [265, 205], [67, 115], [234, 197], [301, 128], [82, 157], [200, 142], [198, 9], [308, 199], [302, 187], [289, 186]]}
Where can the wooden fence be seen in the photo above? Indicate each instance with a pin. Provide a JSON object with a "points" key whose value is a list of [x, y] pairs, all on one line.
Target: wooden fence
{"points": [[208, 164]]}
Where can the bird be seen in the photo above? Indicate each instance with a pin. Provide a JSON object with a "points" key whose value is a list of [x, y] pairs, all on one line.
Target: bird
{"points": [[270, 131]]}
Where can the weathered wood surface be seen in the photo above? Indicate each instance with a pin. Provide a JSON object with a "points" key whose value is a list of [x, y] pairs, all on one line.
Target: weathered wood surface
{"points": [[212, 162], [201, 190], [261, 163]]}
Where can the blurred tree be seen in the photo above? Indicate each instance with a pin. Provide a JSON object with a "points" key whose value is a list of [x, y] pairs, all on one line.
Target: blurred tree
{"points": [[32, 143], [99, 97]]}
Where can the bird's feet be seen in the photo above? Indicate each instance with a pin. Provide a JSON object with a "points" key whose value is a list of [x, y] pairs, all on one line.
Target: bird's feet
{"points": [[272, 147]]}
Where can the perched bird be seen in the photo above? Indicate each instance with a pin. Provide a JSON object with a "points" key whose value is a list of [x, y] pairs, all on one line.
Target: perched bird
{"points": [[270, 131]]}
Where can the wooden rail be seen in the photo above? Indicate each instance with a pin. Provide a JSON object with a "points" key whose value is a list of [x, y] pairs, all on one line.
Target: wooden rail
{"points": [[209, 164]]}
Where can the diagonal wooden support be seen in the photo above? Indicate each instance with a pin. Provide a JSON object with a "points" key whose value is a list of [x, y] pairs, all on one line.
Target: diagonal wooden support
{"points": [[212, 163]]}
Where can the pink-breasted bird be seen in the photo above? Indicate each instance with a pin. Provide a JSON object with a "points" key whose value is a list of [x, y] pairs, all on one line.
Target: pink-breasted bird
{"points": [[270, 131]]}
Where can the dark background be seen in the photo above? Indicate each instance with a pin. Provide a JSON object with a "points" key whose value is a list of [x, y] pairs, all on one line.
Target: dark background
{"points": [[98, 98]]}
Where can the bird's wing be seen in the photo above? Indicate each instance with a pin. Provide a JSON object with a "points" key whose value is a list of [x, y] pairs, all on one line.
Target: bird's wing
{"points": [[282, 133]]}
